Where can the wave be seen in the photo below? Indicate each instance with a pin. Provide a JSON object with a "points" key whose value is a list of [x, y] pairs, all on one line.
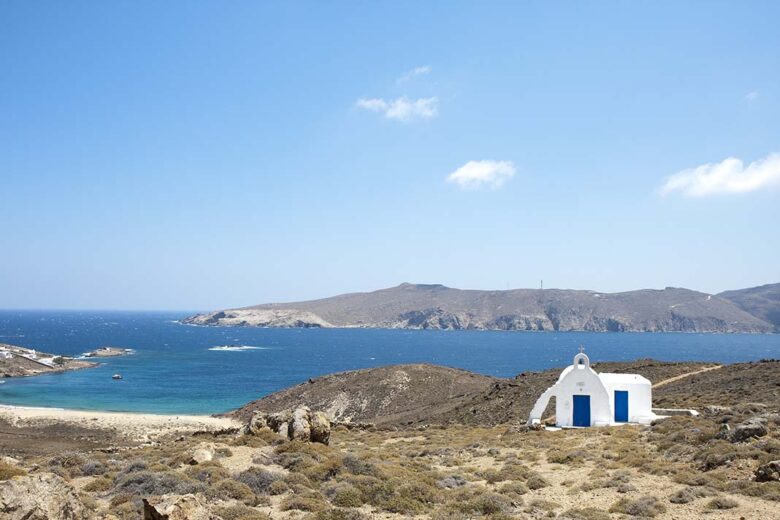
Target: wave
{"points": [[236, 348]]}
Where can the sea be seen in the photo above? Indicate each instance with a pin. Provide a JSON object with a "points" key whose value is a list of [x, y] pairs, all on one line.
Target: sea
{"points": [[180, 369]]}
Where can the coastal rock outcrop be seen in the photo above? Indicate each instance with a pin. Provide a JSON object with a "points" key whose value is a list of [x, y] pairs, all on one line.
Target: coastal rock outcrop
{"points": [[178, 507], [277, 318], [300, 424], [44, 496], [20, 361]]}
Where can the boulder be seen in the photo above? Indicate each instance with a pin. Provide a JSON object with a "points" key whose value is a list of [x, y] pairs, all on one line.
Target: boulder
{"points": [[300, 428], [44, 496], [178, 507], [768, 472], [203, 453], [256, 423], [752, 428], [301, 424], [320, 427]]}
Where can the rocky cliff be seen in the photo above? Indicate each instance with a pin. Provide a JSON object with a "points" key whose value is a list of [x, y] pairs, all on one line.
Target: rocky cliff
{"points": [[415, 306]]}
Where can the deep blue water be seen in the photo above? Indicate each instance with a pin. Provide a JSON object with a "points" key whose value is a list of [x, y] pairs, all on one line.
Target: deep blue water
{"points": [[174, 372]]}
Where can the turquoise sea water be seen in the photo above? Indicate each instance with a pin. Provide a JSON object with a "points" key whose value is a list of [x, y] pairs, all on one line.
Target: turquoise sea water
{"points": [[173, 370]]}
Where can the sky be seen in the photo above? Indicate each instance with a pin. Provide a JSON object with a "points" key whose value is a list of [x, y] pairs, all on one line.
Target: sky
{"points": [[203, 155]]}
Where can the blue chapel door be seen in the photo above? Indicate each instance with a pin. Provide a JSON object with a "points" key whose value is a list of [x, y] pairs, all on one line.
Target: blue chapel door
{"points": [[581, 410], [621, 406]]}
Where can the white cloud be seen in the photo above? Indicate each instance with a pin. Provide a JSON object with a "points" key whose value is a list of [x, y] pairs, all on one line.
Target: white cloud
{"points": [[726, 177], [417, 71], [752, 96], [401, 109], [482, 174]]}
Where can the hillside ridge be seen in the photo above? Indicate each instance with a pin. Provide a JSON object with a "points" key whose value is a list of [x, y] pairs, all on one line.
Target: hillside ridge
{"points": [[435, 306]]}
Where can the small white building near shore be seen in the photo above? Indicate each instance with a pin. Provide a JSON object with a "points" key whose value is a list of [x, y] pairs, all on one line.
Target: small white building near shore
{"points": [[585, 398]]}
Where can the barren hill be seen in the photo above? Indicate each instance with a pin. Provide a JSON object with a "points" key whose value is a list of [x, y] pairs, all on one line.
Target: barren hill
{"points": [[417, 306], [404, 395], [762, 302]]}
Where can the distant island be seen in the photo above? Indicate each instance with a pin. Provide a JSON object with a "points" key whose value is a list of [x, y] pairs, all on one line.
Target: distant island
{"points": [[433, 306]]}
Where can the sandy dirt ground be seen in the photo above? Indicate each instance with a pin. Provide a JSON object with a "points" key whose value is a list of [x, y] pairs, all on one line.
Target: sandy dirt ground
{"points": [[47, 430]]}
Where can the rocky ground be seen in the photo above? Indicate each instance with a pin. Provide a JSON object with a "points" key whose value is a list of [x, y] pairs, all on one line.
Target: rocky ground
{"points": [[722, 464]]}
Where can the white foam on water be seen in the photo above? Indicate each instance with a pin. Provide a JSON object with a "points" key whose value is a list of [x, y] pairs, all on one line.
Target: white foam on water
{"points": [[236, 348]]}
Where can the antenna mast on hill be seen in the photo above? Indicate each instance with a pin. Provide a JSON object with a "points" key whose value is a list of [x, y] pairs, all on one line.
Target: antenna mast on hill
{"points": [[541, 285]]}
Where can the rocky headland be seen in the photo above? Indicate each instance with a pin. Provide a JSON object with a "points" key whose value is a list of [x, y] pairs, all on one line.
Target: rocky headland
{"points": [[19, 362], [108, 352], [415, 306]]}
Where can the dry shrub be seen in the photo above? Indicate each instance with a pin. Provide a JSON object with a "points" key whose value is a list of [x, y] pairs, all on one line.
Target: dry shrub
{"points": [[722, 503], [98, 485], [536, 481], [452, 482], [258, 480], [337, 514], [358, 467], [513, 490], [297, 480], [646, 506], [208, 472], [232, 489], [240, 512], [689, 494], [278, 487], [8, 471], [325, 470], [145, 483], [570, 457], [303, 504], [346, 495], [587, 513], [485, 504]]}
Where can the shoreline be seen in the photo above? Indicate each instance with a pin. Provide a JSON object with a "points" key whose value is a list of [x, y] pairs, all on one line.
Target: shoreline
{"points": [[137, 426]]}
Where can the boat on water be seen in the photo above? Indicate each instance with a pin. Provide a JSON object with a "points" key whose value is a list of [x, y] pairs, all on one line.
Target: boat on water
{"points": [[116, 376]]}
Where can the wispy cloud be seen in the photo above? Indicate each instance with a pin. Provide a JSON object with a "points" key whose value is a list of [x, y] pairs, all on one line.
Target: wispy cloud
{"points": [[411, 74], [752, 96], [475, 175], [402, 108], [726, 177]]}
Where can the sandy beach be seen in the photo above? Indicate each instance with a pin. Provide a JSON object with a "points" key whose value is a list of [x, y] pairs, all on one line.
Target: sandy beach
{"points": [[25, 429]]}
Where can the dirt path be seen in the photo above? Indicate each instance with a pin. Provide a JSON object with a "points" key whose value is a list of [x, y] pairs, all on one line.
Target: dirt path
{"points": [[683, 376]]}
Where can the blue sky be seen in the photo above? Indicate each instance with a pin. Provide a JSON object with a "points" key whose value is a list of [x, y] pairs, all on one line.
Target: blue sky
{"points": [[197, 155]]}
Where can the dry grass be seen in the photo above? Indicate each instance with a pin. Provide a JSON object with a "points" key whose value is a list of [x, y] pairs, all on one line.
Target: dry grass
{"points": [[677, 468]]}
